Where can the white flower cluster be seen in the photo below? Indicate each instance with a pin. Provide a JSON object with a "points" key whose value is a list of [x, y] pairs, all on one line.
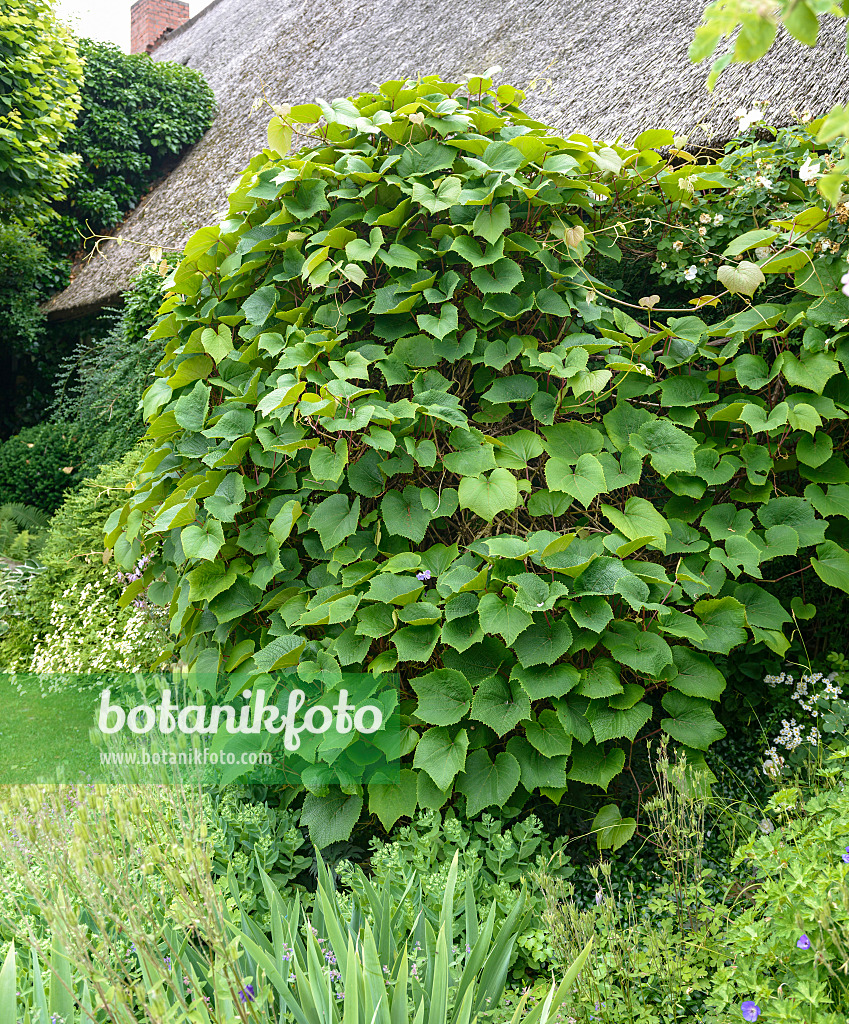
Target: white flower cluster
{"points": [[773, 763], [89, 633], [826, 245], [807, 690], [810, 171], [790, 736], [747, 119]]}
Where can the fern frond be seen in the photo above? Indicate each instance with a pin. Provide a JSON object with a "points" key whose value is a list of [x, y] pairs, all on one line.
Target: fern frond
{"points": [[25, 517]]}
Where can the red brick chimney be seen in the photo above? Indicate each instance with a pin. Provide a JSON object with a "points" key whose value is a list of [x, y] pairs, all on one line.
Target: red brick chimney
{"points": [[152, 20]]}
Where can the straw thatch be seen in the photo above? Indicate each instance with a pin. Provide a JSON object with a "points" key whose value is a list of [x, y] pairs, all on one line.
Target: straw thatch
{"points": [[607, 69]]}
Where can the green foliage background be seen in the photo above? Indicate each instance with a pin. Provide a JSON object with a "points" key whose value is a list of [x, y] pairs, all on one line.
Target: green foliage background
{"points": [[99, 388], [39, 102], [37, 465], [96, 417], [135, 118]]}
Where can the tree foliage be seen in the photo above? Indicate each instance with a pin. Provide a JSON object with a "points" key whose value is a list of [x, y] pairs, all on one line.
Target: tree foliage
{"points": [[403, 423], [22, 260], [40, 76], [135, 114]]}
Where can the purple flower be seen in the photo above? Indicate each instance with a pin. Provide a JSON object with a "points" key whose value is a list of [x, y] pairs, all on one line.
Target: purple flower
{"points": [[803, 942], [248, 993], [845, 858], [845, 282], [750, 1010], [423, 576]]}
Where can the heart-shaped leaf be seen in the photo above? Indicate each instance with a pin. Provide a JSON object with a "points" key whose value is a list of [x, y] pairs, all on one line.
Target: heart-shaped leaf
{"points": [[743, 279]]}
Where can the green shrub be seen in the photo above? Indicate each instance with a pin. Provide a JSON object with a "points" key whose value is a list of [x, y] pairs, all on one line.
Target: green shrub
{"points": [[136, 114], [404, 421], [248, 839], [98, 392], [39, 103], [21, 260], [38, 465], [27, 346], [68, 620]]}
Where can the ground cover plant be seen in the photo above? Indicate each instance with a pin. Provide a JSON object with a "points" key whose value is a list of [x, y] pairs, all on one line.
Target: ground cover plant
{"points": [[405, 421], [496, 858], [790, 942]]}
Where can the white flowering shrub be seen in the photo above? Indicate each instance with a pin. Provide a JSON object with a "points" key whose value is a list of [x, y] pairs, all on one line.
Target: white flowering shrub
{"points": [[89, 634], [67, 617], [813, 708], [770, 169]]}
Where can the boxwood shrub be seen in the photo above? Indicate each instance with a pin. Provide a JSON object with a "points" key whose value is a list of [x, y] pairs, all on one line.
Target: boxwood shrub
{"points": [[37, 465]]}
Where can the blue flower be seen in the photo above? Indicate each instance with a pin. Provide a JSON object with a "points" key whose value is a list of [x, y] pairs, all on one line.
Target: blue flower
{"points": [[248, 994], [750, 1010], [803, 942], [846, 858], [423, 576]]}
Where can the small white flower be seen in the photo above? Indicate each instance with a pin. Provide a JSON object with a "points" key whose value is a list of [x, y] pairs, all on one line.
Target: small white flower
{"points": [[718, 219], [762, 252], [844, 281], [690, 273], [663, 266], [678, 246], [747, 120], [702, 232], [704, 218], [810, 170], [763, 181]]}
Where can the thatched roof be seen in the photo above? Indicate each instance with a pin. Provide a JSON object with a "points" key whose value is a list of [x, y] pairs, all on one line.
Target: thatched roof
{"points": [[607, 69]]}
